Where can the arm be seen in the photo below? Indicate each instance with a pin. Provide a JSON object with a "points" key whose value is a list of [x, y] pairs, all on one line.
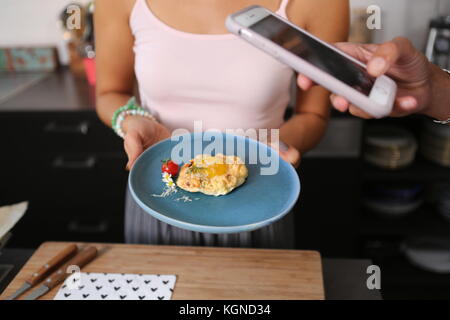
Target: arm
{"points": [[438, 108], [329, 20], [115, 76], [114, 56]]}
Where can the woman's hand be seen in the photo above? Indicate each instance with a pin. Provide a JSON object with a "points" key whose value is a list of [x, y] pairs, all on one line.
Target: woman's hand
{"points": [[140, 134], [291, 155], [399, 60], [288, 153]]}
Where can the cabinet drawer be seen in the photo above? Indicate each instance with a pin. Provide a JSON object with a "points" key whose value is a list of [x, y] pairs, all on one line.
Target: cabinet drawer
{"points": [[71, 132], [80, 179], [14, 145], [72, 224], [66, 179], [38, 133]]}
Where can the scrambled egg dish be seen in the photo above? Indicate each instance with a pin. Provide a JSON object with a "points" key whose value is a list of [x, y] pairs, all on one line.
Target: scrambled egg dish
{"points": [[215, 176]]}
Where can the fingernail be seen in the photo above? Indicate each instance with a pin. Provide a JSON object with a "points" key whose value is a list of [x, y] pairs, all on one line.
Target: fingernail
{"points": [[408, 104], [304, 84], [377, 66], [340, 104], [283, 147]]}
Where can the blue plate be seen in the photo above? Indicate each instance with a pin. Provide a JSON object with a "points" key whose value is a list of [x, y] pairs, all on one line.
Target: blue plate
{"points": [[260, 201]]}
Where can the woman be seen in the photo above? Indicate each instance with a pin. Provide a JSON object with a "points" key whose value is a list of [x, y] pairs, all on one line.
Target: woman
{"points": [[188, 68]]}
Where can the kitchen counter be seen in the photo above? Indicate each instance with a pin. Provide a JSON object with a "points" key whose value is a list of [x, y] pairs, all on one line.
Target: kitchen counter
{"points": [[56, 91], [344, 279]]}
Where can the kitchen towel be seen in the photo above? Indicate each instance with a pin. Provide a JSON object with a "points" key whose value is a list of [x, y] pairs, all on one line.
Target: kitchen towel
{"points": [[10, 215], [117, 286]]}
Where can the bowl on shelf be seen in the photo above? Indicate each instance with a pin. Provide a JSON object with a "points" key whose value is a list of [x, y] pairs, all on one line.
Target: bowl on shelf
{"points": [[435, 143], [443, 203], [393, 200], [389, 147], [387, 209], [431, 254]]}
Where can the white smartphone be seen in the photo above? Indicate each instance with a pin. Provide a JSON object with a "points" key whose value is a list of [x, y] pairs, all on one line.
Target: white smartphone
{"points": [[323, 63]]}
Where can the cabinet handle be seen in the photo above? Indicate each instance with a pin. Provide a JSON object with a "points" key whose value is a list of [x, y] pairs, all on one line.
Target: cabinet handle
{"points": [[84, 164], [78, 128], [94, 228]]}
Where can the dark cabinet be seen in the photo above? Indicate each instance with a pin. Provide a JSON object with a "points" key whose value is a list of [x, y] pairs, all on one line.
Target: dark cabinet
{"points": [[71, 169]]}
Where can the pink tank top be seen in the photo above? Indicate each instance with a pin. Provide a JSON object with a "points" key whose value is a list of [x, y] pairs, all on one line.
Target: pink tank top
{"points": [[218, 79]]}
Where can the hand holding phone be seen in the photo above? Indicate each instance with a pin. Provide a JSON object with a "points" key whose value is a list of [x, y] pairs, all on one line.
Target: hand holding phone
{"points": [[319, 61], [398, 58]]}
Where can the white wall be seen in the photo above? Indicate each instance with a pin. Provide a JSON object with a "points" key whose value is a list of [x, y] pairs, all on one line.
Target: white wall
{"points": [[33, 22], [408, 18]]}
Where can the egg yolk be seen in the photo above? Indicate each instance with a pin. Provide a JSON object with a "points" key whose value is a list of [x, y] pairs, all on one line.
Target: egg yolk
{"points": [[216, 170]]}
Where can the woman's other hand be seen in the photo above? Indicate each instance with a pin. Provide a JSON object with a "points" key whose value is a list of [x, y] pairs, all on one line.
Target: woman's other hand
{"points": [[288, 153], [397, 59], [291, 155], [140, 134]]}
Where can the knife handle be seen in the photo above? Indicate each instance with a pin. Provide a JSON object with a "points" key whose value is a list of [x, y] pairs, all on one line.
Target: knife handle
{"points": [[80, 260], [52, 264]]}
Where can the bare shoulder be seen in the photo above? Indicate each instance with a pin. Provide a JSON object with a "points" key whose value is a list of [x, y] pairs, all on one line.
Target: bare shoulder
{"points": [[116, 8], [303, 12], [327, 19]]}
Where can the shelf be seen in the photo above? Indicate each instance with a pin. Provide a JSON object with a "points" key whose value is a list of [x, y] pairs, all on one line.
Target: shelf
{"points": [[421, 170], [425, 221], [401, 271], [401, 280]]}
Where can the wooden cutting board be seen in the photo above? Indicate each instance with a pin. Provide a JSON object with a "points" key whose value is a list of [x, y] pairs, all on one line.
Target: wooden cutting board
{"points": [[202, 273]]}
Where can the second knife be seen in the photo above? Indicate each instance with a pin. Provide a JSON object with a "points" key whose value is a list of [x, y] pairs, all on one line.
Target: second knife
{"points": [[80, 260], [67, 253]]}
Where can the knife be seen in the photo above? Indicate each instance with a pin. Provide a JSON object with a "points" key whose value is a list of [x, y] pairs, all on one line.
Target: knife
{"points": [[46, 269], [80, 260]]}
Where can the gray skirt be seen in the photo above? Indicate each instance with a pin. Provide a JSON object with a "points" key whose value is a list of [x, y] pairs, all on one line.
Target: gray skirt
{"points": [[142, 228]]}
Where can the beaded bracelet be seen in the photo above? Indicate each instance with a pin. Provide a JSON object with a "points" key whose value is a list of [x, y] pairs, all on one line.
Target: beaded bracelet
{"points": [[130, 109]]}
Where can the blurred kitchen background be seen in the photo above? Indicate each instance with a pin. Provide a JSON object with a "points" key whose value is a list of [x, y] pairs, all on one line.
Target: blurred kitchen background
{"points": [[372, 189]]}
